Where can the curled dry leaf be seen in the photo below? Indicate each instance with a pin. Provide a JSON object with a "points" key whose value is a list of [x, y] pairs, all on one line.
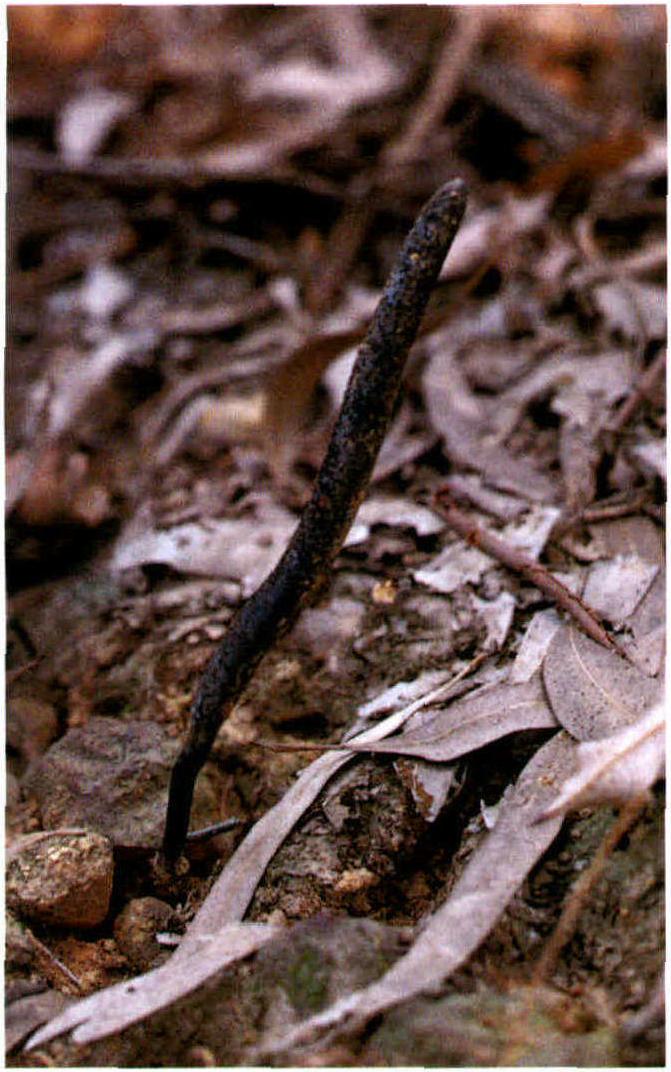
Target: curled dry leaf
{"points": [[593, 691], [615, 768], [491, 877]]}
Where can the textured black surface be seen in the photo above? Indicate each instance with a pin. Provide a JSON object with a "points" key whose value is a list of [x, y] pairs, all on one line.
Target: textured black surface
{"points": [[340, 486]]}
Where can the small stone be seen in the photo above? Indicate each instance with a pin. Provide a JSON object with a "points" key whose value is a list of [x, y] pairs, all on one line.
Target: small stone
{"points": [[135, 930], [61, 877], [32, 725], [109, 776], [356, 879]]}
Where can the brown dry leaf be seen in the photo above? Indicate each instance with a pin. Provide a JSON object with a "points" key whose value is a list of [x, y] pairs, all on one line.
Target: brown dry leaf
{"points": [[491, 877], [470, 723], [598, 156], [593, 691], [290, 392], [615, 768], [59, 34]]}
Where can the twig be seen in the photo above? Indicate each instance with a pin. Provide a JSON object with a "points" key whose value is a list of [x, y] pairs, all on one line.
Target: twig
{"points": [[608, 511], [629, 815], [58, 964], [194, 837], [640, 393], [519, 561], [445, 80]]}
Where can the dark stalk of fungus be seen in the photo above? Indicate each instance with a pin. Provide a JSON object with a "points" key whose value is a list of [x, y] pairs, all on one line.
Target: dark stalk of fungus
{"points": [[340, 486]]}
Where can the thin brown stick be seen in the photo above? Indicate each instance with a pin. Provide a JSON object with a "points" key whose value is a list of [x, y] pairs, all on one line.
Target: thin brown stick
{"points": [[608, 511], [640, 393], [445, 80], [58, 964], [575, 901], [517, 560]]}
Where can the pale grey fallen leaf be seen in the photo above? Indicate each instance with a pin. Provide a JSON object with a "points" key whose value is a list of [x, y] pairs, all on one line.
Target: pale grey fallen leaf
{"points": [[397, 511], [460, 419], [403, 692], [491, 712], [632, 308], [497, 617], [245, 549], [579, 456], [104, 291], [607, 376], [79, 381], [492, 875], [460, 564], [496, 503], [651, 457], [431, 784], [645, 638], [125, 1003], [615, 768], [86, 120], [456, 565], [636, 535], [531, 532], [25, 1014], [592, 690], [615, 587], [486, 228], [215, 938], [534, 645]]}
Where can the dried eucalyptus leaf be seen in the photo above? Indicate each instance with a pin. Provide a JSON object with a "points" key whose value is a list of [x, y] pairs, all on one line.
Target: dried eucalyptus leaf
{"points": [[645, 640], [615, 768], [534, 645], [492, 712], [124, 1004], [215, 938], [593, 691], [491, 877], [431, 784], [616, 586], [634, 535]]}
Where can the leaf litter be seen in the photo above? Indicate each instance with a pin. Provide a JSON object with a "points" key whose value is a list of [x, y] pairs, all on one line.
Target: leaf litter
{"points": [[532, 383]]}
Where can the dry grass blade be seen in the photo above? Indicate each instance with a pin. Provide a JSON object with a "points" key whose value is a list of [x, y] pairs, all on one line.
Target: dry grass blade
{"points": [[477, 901]]}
